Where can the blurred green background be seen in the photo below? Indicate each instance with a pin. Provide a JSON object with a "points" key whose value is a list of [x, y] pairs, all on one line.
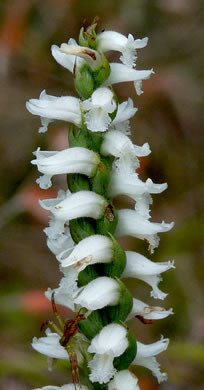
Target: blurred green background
{"points": [[170, 118]]}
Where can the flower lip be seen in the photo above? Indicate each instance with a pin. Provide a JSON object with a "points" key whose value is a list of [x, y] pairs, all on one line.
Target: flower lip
{"points": [[98, 108]]}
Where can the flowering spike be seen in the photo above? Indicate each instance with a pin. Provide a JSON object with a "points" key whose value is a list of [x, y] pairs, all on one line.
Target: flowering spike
{"points": [[100, 164]]}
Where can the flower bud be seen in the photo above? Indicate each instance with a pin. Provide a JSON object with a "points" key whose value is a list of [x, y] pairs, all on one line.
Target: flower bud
{"points": [[81, 228], [83, 81], [88, 37]]}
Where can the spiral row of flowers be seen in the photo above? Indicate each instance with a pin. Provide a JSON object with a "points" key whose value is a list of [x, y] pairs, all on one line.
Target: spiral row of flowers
{"points": [[100, 164]]}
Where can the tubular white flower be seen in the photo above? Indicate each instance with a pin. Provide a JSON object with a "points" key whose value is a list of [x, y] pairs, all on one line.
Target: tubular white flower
{"points": [[65, 108], [72, 160], [98, 293], [124, 183], [98, 108], [92, 57], [110, 342], [121, 73], [138, 266], [77, 205], [66, 60], [132, 186], [69, 386], [112, 40], [123, 380], [66, 290], [145, 357], [130, 223], [119, 145], [147, 312], [50, 346], [90, 250]]}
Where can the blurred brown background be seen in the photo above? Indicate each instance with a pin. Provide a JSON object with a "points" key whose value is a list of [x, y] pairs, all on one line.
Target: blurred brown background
{"points": [[170, 118]]}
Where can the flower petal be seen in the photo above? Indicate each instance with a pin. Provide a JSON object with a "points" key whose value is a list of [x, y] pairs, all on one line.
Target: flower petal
{"points": [[98, 293], [72, 160], [147, 312], [124, 380], [102, 369], [132, 224], [90, 250], [121, 73], [50, 346], [111, 340], [145, 357]]}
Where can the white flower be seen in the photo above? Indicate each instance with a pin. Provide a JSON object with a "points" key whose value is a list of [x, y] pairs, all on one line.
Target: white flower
{"points": [[66, 290], [147, 312], [71, 55], [98, 107], [67, 61], [49, 107], [124, 183], [123, 380], [145, 357], [138, 266], [76, 205], [121, 73], [98, 293], [112, 40], [130, 223], [119, 145], [50, 346], [72, 160], [132, 186], [110, 342], [92, 57], [91, 250], [70, 386]]}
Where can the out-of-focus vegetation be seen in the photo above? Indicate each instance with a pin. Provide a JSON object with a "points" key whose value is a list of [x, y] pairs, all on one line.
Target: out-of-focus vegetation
{"points": [[170, 118]]}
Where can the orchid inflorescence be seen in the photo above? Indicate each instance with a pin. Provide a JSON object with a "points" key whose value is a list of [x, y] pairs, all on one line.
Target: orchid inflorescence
{"points": [[100, 163]]}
